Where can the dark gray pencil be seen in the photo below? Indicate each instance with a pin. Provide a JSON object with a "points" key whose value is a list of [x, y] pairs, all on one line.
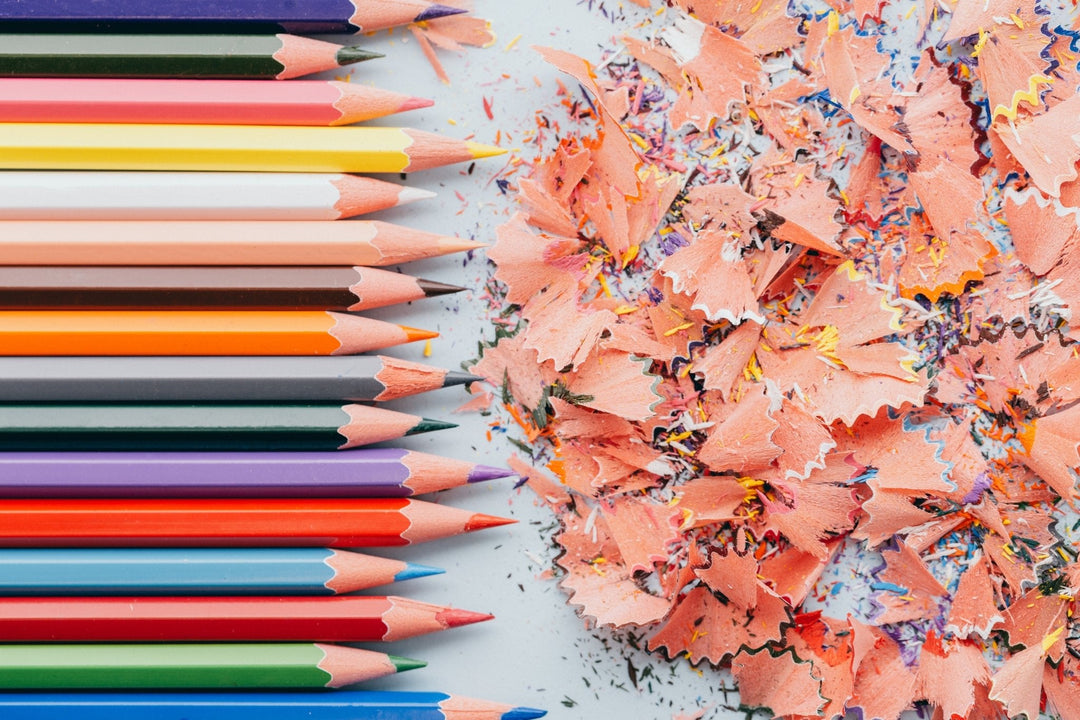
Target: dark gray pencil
{"points": [[218, 379]]}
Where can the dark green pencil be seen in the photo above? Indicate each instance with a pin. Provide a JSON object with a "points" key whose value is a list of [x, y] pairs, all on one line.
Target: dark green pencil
{"points": [[172, 56], [226, 426]]}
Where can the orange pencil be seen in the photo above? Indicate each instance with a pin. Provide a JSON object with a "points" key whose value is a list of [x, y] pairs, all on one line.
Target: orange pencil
{"points": [[196, 332]]}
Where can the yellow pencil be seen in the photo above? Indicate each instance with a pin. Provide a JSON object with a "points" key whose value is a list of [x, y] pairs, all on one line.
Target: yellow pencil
{"points": [[63, 146]]}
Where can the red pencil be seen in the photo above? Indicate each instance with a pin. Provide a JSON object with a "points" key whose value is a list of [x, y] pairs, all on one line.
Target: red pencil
{"points": [[232, 522], [207, 102], [351, 618]]}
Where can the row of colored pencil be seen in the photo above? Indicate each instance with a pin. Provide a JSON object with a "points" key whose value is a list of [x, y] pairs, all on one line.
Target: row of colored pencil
{"points": [[173, 516]]}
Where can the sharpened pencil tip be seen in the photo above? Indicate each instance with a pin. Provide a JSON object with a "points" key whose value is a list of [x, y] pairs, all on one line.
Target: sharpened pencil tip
{"points": [[433, 289], [452, 617], [403, 664], [477, 150], [434, 12], [429, 425], [483, 473], [414, 570], [480, 521], [415, 103], [412, 194], [523, 713], [454, 377], [353, 54], [414, 334]]}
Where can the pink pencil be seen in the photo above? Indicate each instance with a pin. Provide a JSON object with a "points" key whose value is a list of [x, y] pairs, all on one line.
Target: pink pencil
{"points": [[212, 102]]}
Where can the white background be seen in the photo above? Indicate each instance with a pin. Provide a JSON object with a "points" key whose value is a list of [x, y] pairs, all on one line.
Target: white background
{"points": [[537, 652]]}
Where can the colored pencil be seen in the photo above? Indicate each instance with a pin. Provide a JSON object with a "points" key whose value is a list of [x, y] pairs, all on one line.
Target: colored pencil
{"points": [[194, 666], [196, 332], [195, 287], [218, 379], [197, 571], [373, 472], [280, 56], [239, 242], [236, 522], [215, 102], [310, 17], [89, 195], [259, 148], [340, 705], [221, 426], [341, 618]]}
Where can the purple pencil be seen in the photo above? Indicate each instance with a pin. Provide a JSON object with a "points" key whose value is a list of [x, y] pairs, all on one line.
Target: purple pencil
{"points": [[374, 472], [307, 17]]}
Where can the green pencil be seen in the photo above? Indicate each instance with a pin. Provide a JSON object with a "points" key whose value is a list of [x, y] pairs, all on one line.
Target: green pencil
{"points": [[189, 666], [171, 56]]}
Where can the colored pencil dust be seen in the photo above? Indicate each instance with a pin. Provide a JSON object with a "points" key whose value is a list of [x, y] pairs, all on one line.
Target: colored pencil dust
{"points": [[220, 426], [311, 17], [340, 705], [280, 56], [240, 242], [196, 332], [65, 287], [273, 522], [345, 618], [197, 571], [261, 148], [198, 666], [90, 195], [214, 102], [372, 472]]}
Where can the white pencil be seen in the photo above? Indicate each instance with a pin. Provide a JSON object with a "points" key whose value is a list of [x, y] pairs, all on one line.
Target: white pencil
{"points": [[88, 195]]}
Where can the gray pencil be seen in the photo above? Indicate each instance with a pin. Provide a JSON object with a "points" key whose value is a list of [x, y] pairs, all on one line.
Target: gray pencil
{"points": [[217, 379]]}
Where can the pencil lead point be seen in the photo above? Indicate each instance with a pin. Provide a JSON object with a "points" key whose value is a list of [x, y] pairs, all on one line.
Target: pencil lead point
{"points": [[414, 570], [429, 425], [483, 473], [456, 377], [435, 11], [402, 664], [478, 150], [415, 103], [432, 288], [412, 194], [353, 54], [453, 617], [523, 713], [480, 521], [413, 334]]}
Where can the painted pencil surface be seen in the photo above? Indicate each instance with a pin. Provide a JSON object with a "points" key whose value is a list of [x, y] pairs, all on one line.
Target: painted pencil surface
{"points": [[372, 472], [197, 666], [197, 571], [280, 56], [342, 618], [356, 378], [196, 332], [220, 426], [236, 522], [91, 195], [240, 242], [261, 148], [68, 287], [306, 18], [340, 705], [214, 102]]}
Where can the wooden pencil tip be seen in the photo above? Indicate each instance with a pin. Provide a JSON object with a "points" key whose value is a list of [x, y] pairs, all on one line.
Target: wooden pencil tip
{"points": [[523, 713], [415, 103], [432, 288], [452, 617], [413, 334], [480, 521], [478, 150], [403, 664], [455, 377]]}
